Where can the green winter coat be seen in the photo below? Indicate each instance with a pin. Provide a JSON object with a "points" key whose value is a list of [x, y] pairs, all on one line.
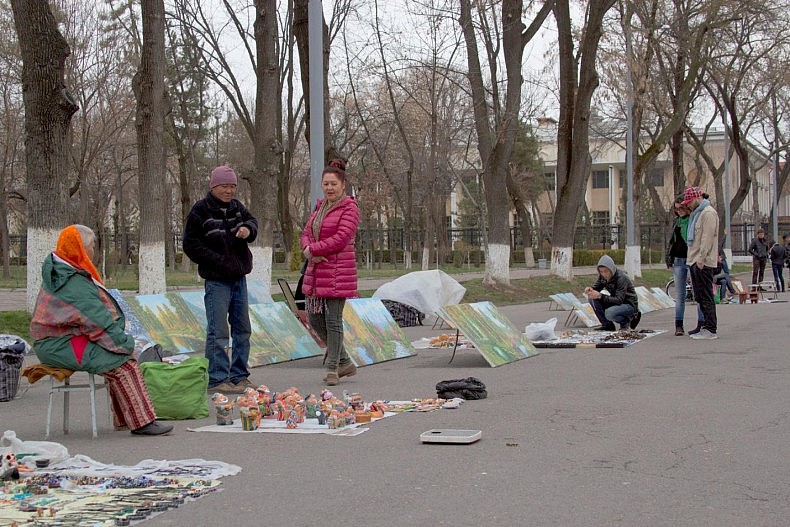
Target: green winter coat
{"points": [[76, 323]]}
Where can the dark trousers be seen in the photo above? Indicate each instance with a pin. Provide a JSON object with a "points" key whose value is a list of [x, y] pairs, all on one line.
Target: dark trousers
{"points": [[702, 282], [758, 270]]}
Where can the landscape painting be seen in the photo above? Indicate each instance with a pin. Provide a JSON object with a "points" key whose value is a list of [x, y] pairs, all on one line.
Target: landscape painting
{"points": [[278, 336], [371, 334], [490, 331], [169, 321]]}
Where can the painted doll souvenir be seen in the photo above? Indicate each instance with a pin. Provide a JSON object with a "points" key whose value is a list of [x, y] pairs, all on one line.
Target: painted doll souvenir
{"points": [[326, 395], [332, 420], [223, 408], [9, 469], [355, 401], [311, 405], [321, 416], [250, 418], [293, 419]]}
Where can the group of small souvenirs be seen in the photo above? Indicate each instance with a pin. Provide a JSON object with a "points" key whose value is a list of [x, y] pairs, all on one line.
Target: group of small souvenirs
{"points": [[290, 406]]}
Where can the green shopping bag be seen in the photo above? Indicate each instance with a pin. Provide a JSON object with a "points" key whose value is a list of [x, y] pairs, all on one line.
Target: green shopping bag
{"points": [[178, 391]]}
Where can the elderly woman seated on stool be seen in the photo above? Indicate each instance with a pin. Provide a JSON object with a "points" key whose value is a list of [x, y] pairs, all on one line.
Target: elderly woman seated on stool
{"points": [[77, 325]]}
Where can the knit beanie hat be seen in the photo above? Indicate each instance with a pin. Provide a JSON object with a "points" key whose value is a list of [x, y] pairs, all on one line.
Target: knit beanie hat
{"points": [[223, 175]]}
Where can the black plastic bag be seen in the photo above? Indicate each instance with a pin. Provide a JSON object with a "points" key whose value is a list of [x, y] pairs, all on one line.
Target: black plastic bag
{"points": [[470, 388]]}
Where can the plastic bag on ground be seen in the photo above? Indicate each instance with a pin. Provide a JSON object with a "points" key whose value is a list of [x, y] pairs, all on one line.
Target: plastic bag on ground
{"points": [[541, 330], [29, 451]]}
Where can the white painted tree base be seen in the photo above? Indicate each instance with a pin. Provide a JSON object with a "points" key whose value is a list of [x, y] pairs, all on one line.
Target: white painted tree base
{"points": [[40, 243], [262, 265], [426, 259], [152, 269], [497, 264], [562, 262], [529, 257], [633, 261]]}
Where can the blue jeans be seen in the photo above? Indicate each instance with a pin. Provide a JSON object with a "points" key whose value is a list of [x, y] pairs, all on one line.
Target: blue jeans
{"points": [[680, 272], [778, 278], [329, 326], [227, 302], [620, 314]]}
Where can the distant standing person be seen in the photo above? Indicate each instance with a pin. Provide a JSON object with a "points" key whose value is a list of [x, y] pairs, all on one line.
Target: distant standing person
{"points": [[703, 255], [217, 235], [759, 251], [331, 276], [787, 252], [621, 305], [778, 256], [677, 251]]}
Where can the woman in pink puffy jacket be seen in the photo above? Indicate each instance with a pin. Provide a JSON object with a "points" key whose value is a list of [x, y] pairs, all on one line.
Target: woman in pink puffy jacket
{"points": [[331, 274]]}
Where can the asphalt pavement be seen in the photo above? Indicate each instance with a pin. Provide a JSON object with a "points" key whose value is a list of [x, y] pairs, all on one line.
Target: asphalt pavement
{"points": [[667, 432]]}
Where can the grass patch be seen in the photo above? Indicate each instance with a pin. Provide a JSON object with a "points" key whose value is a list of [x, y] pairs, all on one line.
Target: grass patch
{"points": [[538, 288], [15, 323]]}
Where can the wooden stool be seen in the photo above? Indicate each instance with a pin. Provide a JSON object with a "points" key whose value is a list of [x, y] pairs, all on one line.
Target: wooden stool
{"points": [[62, 375]]}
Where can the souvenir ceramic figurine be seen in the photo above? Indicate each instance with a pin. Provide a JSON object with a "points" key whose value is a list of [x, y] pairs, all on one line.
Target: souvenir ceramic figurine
{"points": [[311, 405], [9, 470], [223, 408], [355, 401], [250, 418], [293, 419], [321, 416]]}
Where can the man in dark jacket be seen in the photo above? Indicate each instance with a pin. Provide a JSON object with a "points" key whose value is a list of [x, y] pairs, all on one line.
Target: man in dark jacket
{"points": [[620, 306], [759, 251], [217, 235]]}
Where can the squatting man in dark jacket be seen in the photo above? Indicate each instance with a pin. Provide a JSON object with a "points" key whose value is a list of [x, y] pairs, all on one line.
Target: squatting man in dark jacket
{"points": [[620, 306]]}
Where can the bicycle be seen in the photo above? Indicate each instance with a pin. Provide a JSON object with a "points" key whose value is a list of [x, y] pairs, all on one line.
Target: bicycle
{"points": [[670, 289]]}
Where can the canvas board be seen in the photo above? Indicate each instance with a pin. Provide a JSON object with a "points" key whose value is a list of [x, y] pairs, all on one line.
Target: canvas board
{"points": [[662, 296], [170, 321], [371, 335], [278, 336], [491, 333]]}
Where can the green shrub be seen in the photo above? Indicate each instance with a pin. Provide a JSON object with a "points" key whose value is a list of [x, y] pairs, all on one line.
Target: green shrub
{"points": [[296, 255]]}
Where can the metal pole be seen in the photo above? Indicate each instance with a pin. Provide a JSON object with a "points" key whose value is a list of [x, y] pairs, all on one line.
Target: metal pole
{"points": [[315, 20], [774, 180], [632, 251]]}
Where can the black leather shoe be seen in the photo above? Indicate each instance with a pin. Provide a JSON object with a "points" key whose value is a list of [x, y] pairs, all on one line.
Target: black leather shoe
{"points": [[154, 428], [605, 327], [635, 320]]}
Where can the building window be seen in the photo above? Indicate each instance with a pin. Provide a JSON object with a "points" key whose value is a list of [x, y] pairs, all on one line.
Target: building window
{"points": [[656, 178], [600, 179], [600, 217], [549, 182]]}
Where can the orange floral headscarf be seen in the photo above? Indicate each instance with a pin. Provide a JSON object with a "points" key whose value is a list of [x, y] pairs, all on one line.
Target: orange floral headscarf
{"points": [[70, 249]]}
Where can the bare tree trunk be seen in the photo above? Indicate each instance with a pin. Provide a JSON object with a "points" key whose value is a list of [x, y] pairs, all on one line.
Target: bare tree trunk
{"points": [[48, 111], [573, 151], [149, 88], [268, 148], [496, 145]]}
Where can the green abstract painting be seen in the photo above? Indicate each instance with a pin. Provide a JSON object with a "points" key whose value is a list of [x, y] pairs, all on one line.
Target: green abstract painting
{"points": [[490, 331], [371, 334]]}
